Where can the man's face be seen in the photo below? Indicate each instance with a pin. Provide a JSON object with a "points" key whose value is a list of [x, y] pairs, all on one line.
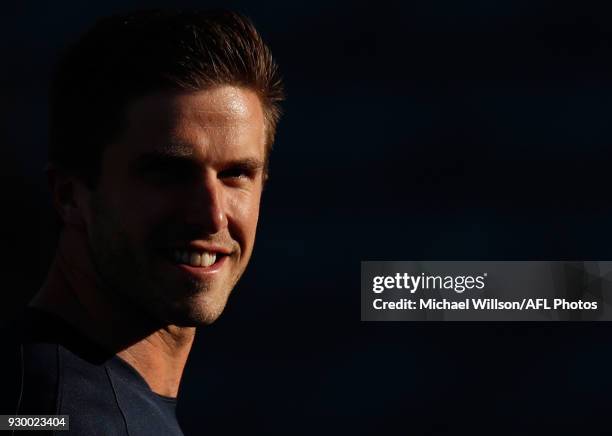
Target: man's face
{"points": [[172, 221]]}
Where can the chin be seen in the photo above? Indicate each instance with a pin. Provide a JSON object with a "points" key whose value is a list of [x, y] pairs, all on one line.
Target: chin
{"points": [[196, 312]]}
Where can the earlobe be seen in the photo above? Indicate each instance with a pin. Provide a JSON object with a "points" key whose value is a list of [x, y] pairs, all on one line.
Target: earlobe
{"points": [[63, 188], [71, 217]]}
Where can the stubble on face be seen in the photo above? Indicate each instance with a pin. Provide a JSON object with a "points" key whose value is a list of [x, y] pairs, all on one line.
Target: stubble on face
{"points": [[130, 272]]}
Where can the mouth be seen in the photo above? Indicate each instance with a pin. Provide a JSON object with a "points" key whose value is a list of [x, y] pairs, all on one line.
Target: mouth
{"points": [[197, 261], [196, 258]]}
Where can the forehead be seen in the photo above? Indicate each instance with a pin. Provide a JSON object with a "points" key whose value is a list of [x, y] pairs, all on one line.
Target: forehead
{"points": [[224, 120]]}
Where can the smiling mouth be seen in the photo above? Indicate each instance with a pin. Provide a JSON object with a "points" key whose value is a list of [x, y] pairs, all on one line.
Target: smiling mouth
{"points": [[196, 259]]}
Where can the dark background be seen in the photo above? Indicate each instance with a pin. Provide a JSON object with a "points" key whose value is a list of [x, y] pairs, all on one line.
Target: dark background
{"points": [[437, 130]]}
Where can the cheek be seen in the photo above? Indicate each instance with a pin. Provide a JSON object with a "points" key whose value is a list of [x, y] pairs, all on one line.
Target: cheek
{"points": [[141, 211], [243, 213]]}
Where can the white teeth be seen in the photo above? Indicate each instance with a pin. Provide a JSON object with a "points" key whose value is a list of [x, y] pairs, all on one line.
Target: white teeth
{"points": [[194, 258], [208, 259]]}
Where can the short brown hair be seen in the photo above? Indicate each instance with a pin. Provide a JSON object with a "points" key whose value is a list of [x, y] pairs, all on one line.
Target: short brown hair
{"points": [[124, 57]]}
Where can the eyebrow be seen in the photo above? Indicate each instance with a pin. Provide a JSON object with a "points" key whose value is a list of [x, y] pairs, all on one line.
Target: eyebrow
{"points": [[184, 154], [172, 150]]}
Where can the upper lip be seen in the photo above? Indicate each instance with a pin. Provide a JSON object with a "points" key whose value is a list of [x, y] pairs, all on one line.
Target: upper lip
{"points": [[202, 246]]}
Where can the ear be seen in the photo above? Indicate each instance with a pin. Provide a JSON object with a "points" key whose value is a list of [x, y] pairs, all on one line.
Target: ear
{"points": [[66, 195]]}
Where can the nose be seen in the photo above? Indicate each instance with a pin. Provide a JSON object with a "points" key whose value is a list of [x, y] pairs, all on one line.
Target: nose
{"points": [[207, 205]]}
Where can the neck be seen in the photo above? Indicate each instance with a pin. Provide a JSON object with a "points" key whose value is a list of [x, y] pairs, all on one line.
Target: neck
{"points": [[73, 292]]}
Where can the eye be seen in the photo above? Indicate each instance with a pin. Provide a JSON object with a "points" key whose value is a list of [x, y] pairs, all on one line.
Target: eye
{"points": [[171, 176], [241, 174], [234, 173], [167, 172]]}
